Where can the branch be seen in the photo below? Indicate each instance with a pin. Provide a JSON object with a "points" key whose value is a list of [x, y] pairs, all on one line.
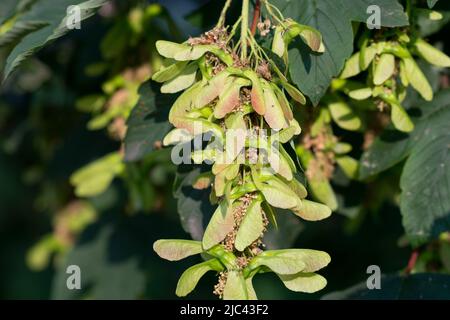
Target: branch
{"points": [[223, 14]]}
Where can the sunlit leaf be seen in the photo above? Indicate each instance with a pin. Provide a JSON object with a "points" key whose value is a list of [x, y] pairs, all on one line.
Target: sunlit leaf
{"points": [[235, 287], [219, 226], [182, 81], [251, 226], [174, 250], [304, 282], [345, 117], [312, 211], [189, 279]]}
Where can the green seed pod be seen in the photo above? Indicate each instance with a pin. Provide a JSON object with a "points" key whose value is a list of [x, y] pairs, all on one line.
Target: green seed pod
{"points": [[417, 79], [278, 45], [384, 68], [230, 96], [251, 227], [431, 54], [257, 93], [274, 114], [182, 81], [169, 70]]}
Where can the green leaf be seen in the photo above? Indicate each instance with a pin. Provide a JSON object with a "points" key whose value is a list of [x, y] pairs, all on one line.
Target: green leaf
{"points": [[352, 66], [360, 94], [182, 81], [425, 182], [323, 192], [169, 49], [400, 118], [349, 165], [250, 290], [148, 122], [235, 287], [304, 282], [286, 230], [312, 211], [54, 15], [189, 279], [193, 205], [391, 147], [399, 287], [167, 73], [230, 96], [342, 148], [114, 257], [294, 92], [312, 72], [96, 177], [219, 226], [198, 51], [310, 36], [251, 226], [7, 9], [298, 187], [257, 94], [431, 3], [429, 26], [313, 260], [278, 263], [91, 103], [12, 30], [278, 194], [274, 114], [174, 250], [39, 255], [278, 45], [344, 116]]}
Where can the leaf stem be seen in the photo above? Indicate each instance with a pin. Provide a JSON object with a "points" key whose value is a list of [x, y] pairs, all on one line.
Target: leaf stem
{"points": [[269, 8], [244, 28], [223, 14], [233, 30]]}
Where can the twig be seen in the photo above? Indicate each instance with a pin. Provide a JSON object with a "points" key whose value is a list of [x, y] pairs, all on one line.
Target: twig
{"points": [[412, 261], [256, 14], [223, 14], [244, 29]]}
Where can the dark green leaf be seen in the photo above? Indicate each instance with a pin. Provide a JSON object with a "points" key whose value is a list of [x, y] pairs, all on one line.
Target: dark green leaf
{"points": [[393, 146], [110, 255], [398, 287], [53, 14], [148, 122], [431, 3], [425, 182], [193, 205]]}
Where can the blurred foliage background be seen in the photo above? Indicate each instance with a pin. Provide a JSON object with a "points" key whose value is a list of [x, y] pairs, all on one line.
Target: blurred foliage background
{"points": [[66, 196]]}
